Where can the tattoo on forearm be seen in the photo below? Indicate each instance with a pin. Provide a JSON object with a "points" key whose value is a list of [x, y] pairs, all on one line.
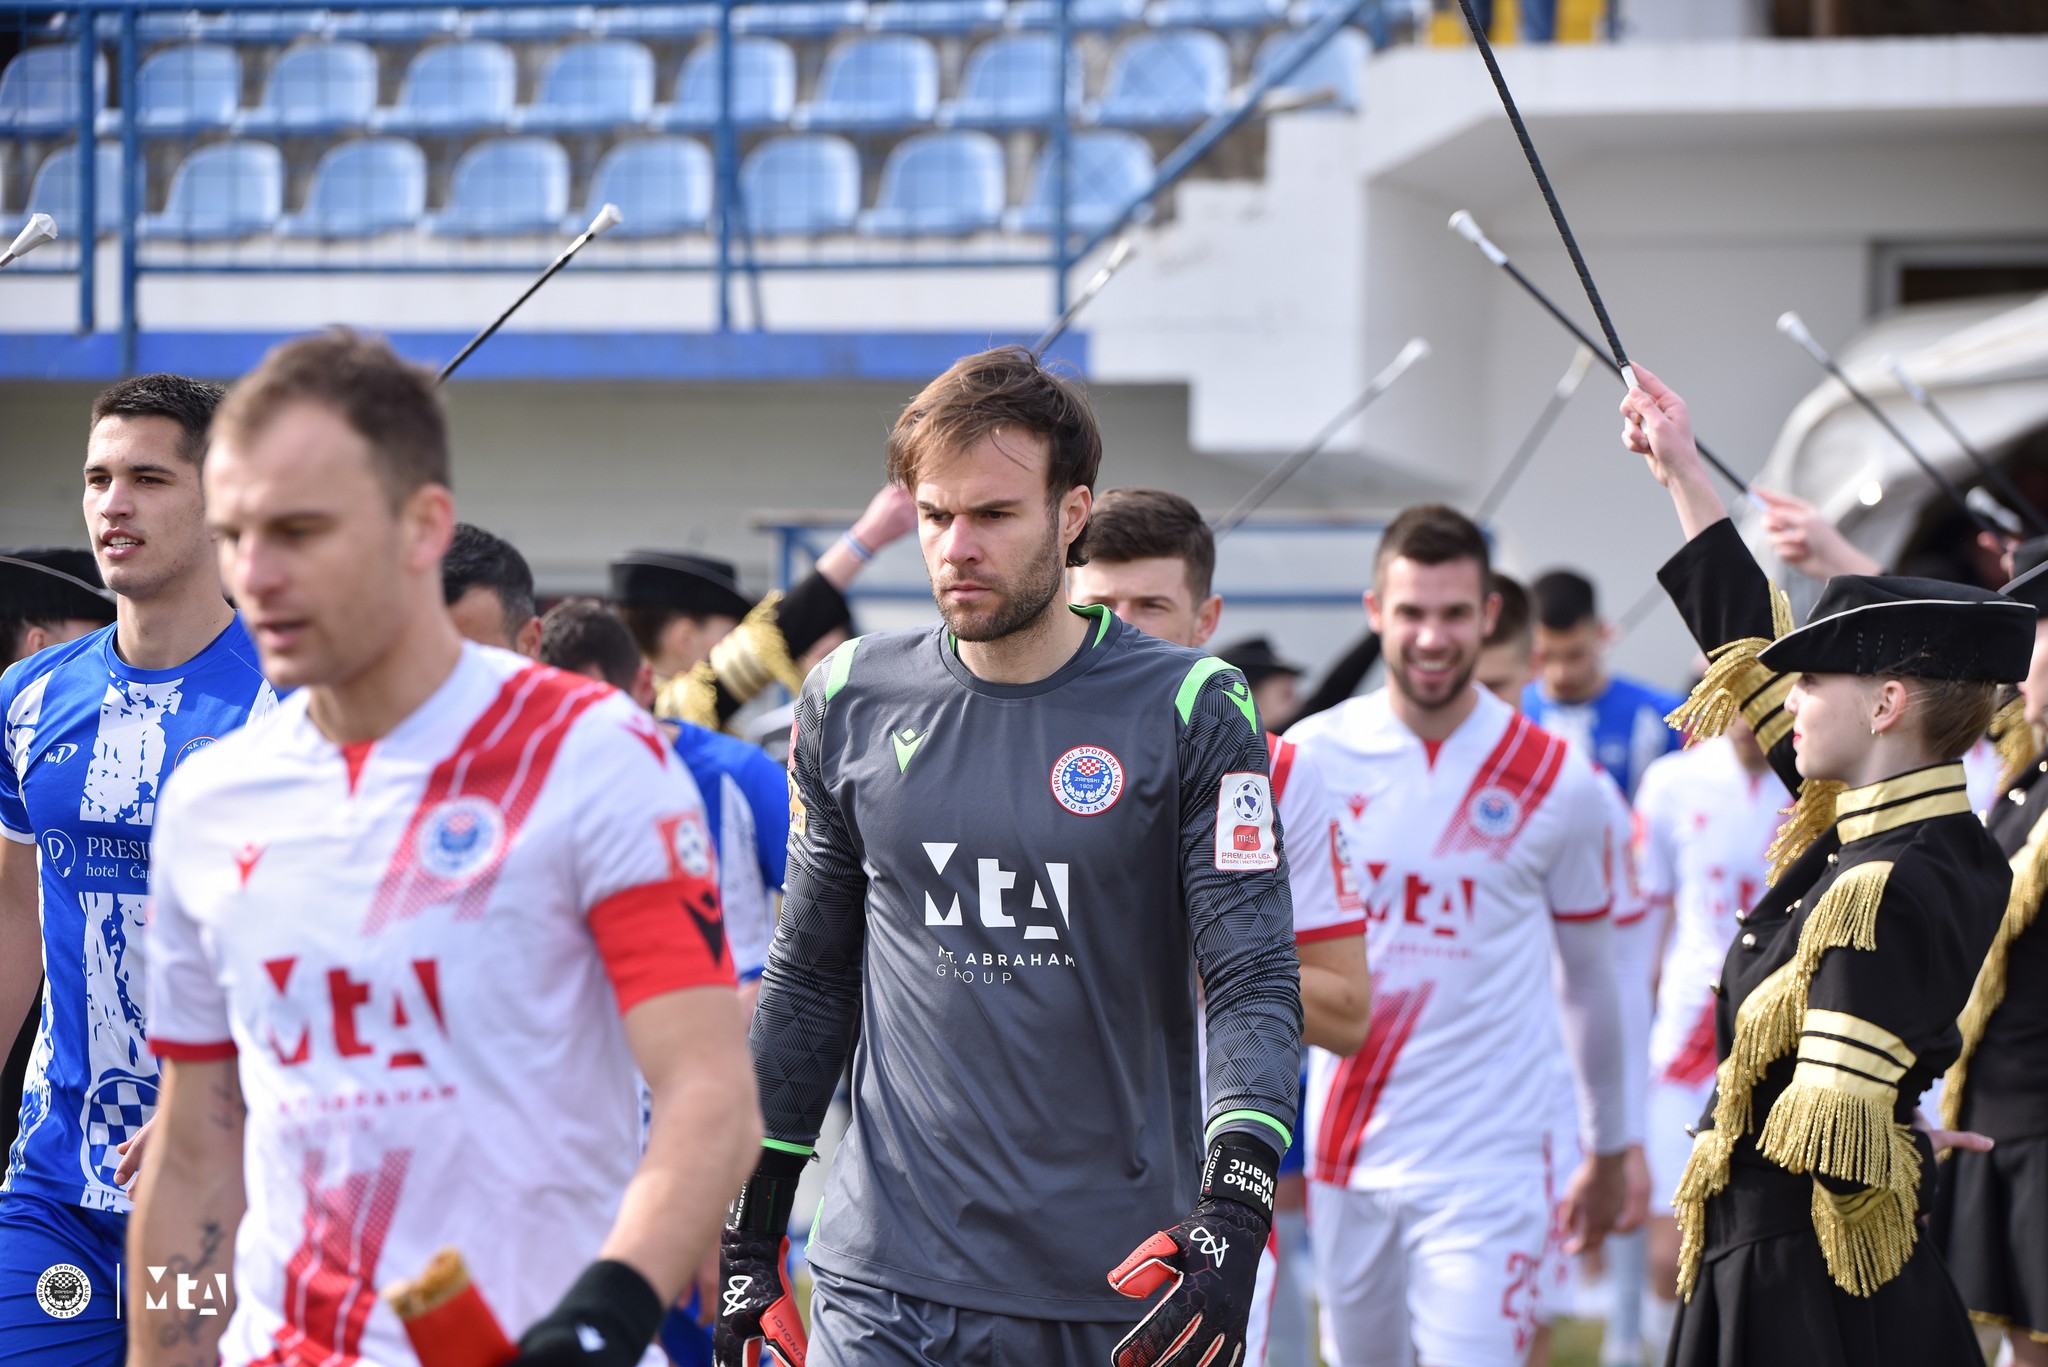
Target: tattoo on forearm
{"points": [[228, 1107]]}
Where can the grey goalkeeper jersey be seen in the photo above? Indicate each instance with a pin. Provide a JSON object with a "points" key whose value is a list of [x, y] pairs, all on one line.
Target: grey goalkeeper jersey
{"points": [[1010, 889]]}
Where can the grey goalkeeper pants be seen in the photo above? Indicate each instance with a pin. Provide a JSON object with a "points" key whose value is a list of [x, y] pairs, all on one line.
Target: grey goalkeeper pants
{"points": [[857, 1325]]}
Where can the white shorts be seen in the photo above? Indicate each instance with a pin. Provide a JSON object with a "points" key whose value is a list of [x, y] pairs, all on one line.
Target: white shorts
{"points": [[1445, 1273], [1261, 1321], [1559, 1277], [1669, 1110]]}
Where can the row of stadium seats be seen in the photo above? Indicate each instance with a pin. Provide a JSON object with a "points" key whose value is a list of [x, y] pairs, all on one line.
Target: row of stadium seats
{"points": [[933, 184], [683, 21], [1166, 79]]}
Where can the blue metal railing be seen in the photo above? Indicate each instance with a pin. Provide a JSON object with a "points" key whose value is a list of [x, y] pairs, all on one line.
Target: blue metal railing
{"points": [[733, 247]]}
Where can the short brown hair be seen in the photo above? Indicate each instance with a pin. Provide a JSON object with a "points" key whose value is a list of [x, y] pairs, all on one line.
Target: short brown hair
{"points": [[1433, 534], [982, 394], [581, 635], [1511, 627], [187, 402], [391, 403], [1143, 524]]}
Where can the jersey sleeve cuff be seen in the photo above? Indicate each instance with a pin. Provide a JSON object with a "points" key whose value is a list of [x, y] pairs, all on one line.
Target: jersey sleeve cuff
{"points": [[1593, 914], [18, 837], [186, 1051], [661, 937], [1334, 932]]}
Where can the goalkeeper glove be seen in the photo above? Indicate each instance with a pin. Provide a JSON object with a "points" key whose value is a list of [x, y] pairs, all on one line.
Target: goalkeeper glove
{"points": [[607, 1319], [1208, 1264], [754, 1304]]}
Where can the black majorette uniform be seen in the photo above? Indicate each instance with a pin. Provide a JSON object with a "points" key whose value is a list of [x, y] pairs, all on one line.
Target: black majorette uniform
{"points": [[1991, 1214], [1838, 1003]]}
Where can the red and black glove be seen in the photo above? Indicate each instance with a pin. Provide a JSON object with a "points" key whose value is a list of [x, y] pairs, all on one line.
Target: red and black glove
{"points": [[754, 1304], [1208, 1264]]}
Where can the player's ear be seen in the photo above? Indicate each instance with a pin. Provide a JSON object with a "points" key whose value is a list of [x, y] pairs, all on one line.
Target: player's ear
{"points": [[1372, 612], [429, 518], [1206, 618], [1489, 615]]}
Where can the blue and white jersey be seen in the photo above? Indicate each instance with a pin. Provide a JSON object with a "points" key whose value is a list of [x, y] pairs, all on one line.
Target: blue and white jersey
{"points": [[1622, 730], [746, 802], [86, 746]]}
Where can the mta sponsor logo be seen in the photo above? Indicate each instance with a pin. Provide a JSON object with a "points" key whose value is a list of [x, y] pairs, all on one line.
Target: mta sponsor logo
{"points": [[1445, 910], [191, 748], [58, 754], [392, 1015], [59, 852], [1087, 780], [1001, 906], [204, 1295], [460, 837], [1494, 812]]}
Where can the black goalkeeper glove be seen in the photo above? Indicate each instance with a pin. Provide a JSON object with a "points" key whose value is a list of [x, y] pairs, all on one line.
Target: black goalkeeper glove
{"points": [[1208, 1264], [607, 1319], [754, 1304]]}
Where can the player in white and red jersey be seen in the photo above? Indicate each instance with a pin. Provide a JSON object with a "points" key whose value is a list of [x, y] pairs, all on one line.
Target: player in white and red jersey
{"points": [[1704, 819], [410, 940], [1482, 839]]}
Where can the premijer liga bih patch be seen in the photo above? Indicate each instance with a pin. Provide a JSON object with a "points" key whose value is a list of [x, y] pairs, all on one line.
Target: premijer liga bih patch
{"points": [[1244, 824], [1087, 780]]}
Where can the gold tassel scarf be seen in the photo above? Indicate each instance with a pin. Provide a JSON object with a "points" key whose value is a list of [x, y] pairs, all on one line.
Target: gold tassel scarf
{"points": [[2029, 882], [1735, 682]]}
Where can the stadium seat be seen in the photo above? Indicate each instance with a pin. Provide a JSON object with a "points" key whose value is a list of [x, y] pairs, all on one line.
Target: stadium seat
{"points": [[763, 86], [802, 183], [1165, 80], [592, 87], [55, 188], [39, 95], [506, 187], [396, 25], [1376, 17], [937, 184], [659, 22], [514, 25], [453, 88], [182, 90], [887, 81], [1011, 82], [1338, 66], [1081, 14], [257, 27], [662, 185], [1105, 170], [936, 16], [1217, 14], [361, 189], [798, 20], [221, 191], [320, 88]]}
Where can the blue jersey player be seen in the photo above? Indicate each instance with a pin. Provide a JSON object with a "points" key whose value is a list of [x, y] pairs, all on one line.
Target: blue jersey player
{"points": [[1618, 723], [89, 730]]}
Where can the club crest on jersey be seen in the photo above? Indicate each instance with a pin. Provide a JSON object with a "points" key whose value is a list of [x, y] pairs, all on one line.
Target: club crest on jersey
{"points": [[191, 748], [1087, 780], [461, 837], [1494, 812]]}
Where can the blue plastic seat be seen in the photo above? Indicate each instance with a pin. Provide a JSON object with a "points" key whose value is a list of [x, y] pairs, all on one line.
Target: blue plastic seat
{"points": [[662, 185], [258, 27], [936, 16], [361, 189], [1165, 80], [1012, 82], [592, 87], [887, 81], [1096, 15], [316, 89], [804, 183], [1338, 66], [222, 191], [799, 20], [454, 88], [506, 187], [55, 188], [659, 22], [396, 25], [39, 91], [763, 86], [1217, 14], [1105, 170], [529, 25], [939, 184], [191, 88]]}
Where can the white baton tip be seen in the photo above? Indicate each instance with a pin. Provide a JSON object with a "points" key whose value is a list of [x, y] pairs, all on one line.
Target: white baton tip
{"points": [[1465, 226], [1790, 324], [39, 229], [1416, 350], [607, 218]]}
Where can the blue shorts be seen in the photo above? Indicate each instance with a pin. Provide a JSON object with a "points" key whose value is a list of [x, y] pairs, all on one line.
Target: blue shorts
{"points": [[59, 1306], [687, 1343]]}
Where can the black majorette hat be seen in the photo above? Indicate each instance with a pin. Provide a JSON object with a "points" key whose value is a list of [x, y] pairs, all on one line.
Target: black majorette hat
{"points": [[1256, 659], [695, 584], [1919, 628], [2030, 575], [53, 582]]}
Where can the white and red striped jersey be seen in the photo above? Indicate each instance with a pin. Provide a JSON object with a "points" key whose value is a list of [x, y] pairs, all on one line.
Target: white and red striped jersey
{"points": [[1704, 824], [418, 952], [1321, 874], [1468, 849]]}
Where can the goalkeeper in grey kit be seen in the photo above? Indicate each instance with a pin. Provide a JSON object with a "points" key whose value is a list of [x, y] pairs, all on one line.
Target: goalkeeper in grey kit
{"points": [[1018, 838]]}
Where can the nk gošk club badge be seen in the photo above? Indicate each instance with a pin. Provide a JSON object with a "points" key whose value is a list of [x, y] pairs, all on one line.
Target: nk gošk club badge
{"points": [[1087, 780]]}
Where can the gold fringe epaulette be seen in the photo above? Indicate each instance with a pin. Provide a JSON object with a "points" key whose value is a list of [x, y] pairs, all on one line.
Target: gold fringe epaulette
{"points": [[1866, 1236], [1766, 1029], [2015, 739], [1806, 821], [691, 696], [2022, 905], [1733, 679], [755, 654]]}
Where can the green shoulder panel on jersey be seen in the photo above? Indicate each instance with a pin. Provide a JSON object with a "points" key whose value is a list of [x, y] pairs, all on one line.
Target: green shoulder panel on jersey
{"points": [[1204, 669], [838, 666], [1100, 613]]}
